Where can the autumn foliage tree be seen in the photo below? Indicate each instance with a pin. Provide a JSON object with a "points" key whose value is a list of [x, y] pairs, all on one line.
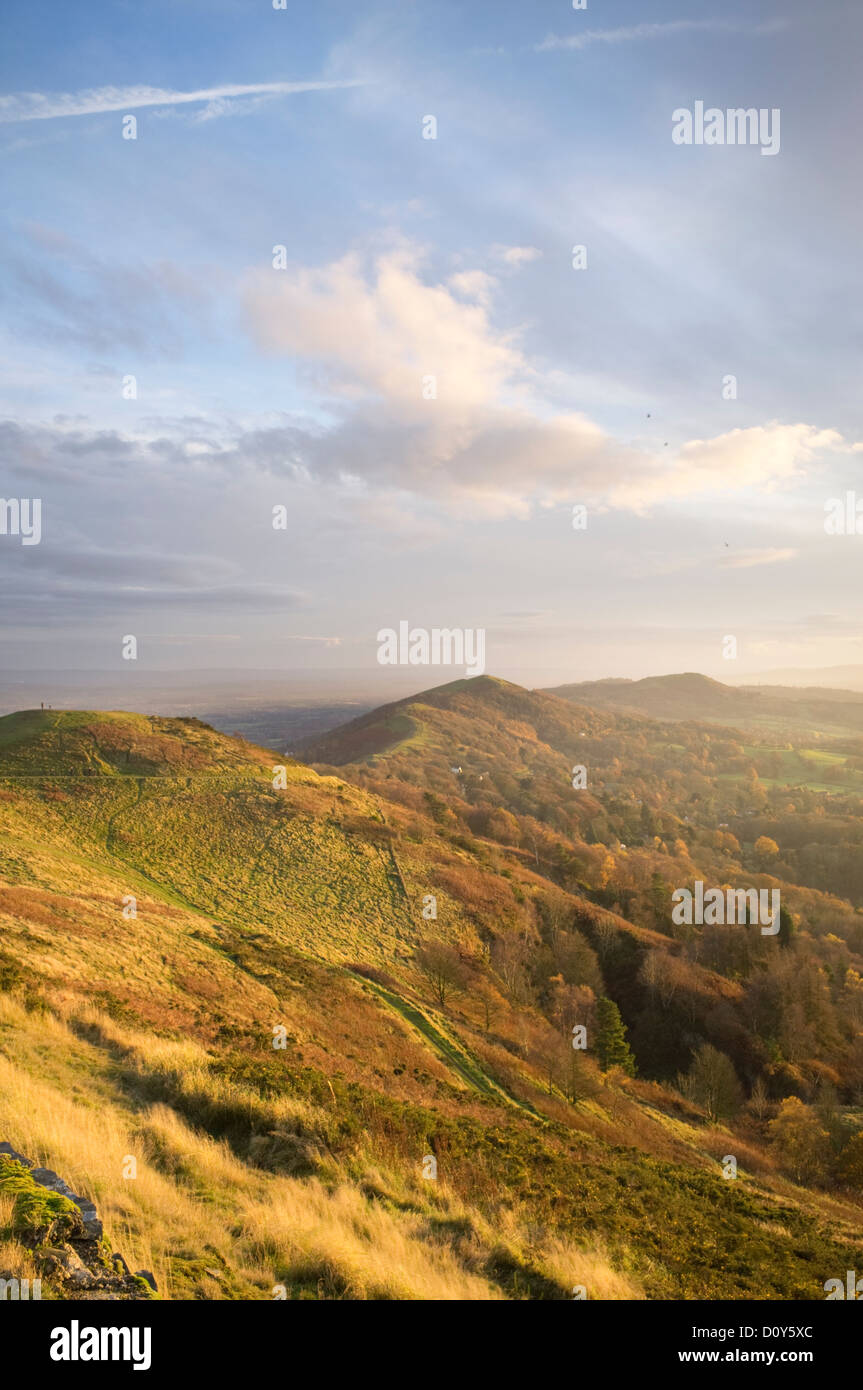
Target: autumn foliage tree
{"points": [[801, 1143], [766, 849], [849, 1169]]}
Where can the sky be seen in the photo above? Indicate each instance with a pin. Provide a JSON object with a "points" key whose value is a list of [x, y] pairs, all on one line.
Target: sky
{"points": [[334, 274]]}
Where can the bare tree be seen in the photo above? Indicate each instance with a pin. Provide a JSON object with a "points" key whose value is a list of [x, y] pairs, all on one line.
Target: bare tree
{"points": [[444, 968]]}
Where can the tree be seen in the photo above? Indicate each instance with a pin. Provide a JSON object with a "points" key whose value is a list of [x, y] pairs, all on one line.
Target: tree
{"points": [[502, 826], [438, 809], [799, 1139], [660, 900], [664, 975], [612, 1048], [850, 1167], [712, 1083], [766, 849], [759, 1101], [443, 967], [576, 960], [510, 956], [604, 871], [569, 1005], [786, 926], [852, 995]]}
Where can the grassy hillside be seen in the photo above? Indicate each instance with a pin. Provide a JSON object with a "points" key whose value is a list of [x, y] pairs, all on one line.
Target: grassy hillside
{"points": [[145, 1028]]}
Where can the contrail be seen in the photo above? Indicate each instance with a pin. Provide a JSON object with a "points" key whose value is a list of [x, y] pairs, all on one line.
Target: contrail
{"points": [[44, 106]]}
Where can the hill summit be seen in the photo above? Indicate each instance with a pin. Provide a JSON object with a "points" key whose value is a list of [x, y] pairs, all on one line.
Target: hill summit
{"points": [[116, 744]]}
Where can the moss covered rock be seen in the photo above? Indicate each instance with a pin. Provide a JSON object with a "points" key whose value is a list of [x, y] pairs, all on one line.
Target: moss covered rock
{"points": [[36, 1210]]}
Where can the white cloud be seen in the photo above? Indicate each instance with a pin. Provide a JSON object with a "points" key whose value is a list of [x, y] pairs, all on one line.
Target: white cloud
{"points": [[763, 456], [473, 284], [516, 255], [382, 332], [42, 106], [487, 441], [748, 559]]}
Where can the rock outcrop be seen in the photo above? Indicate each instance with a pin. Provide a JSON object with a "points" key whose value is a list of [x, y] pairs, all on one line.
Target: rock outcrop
{"points": [[63, 1233]]}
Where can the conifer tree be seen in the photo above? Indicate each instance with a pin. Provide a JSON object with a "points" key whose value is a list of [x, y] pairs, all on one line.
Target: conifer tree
{"points": [[786, 926], [611, 1046]]}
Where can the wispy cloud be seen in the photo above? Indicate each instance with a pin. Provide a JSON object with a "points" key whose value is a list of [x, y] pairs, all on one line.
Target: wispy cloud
{"points": [[748, 559], [516, 255], [43, 106], [633, 33]]}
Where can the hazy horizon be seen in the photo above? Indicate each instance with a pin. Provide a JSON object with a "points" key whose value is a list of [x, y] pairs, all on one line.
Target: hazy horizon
{"points": [[215, 691]]}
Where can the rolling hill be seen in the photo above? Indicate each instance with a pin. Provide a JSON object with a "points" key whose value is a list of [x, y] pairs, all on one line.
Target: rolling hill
{"points": [[223, 965], [691, 696]]}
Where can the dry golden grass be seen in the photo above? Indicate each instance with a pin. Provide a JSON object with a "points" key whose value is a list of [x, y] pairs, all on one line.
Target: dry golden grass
{"points": [[589, 1269], [775, 1228], [211, 1226], [16, 1262], [360, 1246]]}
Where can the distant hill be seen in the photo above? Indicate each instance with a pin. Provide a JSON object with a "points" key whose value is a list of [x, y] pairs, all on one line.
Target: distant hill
{"points": [[685, 696], [694, 696], [485, 746], [820, 678]]}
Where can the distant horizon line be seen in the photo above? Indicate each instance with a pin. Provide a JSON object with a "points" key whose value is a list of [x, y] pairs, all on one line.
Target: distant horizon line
{"points": [[368, 672], [344, 686]]}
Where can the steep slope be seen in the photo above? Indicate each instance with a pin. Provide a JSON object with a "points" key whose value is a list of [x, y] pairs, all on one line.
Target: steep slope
{"points": [[452, 739], [467, 705], [197, 813]]}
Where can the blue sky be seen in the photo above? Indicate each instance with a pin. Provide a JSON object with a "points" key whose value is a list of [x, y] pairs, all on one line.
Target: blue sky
{"points": [[408, 257]]}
